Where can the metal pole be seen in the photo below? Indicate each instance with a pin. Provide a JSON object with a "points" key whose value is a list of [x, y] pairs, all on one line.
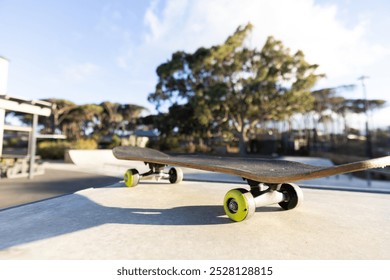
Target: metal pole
{"points": [[2, 122], [368, 134], [32, 145]]}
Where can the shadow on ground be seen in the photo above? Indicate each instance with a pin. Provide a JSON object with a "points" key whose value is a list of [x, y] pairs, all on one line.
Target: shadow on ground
{"points": [[73, 213]]}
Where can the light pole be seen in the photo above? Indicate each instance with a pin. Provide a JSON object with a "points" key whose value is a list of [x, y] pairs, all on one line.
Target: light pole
{"points": [[368, 134]]}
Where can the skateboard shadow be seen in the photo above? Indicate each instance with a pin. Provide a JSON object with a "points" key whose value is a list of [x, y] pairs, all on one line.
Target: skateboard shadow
{"points": [[74, 213], [268, 209]]}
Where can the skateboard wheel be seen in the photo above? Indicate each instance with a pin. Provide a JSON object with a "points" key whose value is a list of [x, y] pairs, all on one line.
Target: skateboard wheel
{"points": [[131, 178], [239, 204], [175, 175], [294, 196]]}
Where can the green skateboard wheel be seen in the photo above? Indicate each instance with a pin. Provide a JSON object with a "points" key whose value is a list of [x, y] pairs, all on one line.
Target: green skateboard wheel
{"points": [[239, 204], [131, 178]]}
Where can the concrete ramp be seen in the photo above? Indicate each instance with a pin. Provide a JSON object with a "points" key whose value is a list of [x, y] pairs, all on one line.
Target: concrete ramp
{"points": [[93, 157], [102, 162]]}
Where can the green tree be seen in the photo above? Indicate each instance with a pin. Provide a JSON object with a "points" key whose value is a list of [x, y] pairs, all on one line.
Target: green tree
{"points": [[60, 110], [117, 116], [237, 87], [358, 106], [82, 121], [328, 101], [77, 121]]}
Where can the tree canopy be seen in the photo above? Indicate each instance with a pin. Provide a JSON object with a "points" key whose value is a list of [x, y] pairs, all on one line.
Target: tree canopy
{"points": [[77, 121], [237, 87]]}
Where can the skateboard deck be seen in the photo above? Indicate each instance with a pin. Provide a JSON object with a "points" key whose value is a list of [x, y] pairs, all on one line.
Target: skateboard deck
{"points": [[271, 181], [260, 170]]}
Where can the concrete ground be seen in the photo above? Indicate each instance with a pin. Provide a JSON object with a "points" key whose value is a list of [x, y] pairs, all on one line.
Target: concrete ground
{"points": [[55, 182], [157, 220]]}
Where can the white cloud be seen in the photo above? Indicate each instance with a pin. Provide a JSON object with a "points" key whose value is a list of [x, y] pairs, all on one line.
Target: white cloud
{"points": [[171, 16], [344, 48], [302, 24]]}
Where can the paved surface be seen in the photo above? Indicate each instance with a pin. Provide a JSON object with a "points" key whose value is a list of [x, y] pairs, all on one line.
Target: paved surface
{"points": [[157, 220], [55, 182]]}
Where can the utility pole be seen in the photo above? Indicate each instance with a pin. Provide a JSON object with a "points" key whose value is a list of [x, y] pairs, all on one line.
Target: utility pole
{"points": [[368, 134], [366, 109]]}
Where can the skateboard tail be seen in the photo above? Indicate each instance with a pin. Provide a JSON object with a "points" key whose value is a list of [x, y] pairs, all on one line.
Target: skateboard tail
{"points": [[381, 162], [316, 173]]}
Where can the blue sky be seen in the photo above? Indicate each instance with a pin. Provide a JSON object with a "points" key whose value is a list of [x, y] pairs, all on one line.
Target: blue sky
{"points": [[89, 51]]}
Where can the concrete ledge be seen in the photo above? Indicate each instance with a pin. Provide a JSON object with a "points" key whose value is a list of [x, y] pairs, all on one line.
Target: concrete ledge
{"points": [[92, 158]]}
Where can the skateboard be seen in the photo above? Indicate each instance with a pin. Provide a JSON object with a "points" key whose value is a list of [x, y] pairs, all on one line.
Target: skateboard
{"points": [[271, 181]]}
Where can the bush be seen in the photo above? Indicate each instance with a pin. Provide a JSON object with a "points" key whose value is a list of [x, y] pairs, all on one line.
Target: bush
{"points": [[56, 149], [53, 149], [84, 144], [115, 141], [170, 143]]}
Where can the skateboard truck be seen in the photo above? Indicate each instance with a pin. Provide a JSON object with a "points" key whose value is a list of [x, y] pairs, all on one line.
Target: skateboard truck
{"points": [[156, 171], [240, 204]]}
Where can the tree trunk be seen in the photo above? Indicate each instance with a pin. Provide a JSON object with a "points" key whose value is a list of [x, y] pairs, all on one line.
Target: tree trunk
{"points": [[242, 142]]}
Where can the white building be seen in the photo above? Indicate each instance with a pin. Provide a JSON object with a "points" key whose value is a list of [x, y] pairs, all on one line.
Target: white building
{"points": [[3, 75]]}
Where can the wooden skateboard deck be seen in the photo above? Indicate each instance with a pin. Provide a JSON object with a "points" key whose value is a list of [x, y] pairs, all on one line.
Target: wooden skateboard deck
{"points": [[259, 170]]}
